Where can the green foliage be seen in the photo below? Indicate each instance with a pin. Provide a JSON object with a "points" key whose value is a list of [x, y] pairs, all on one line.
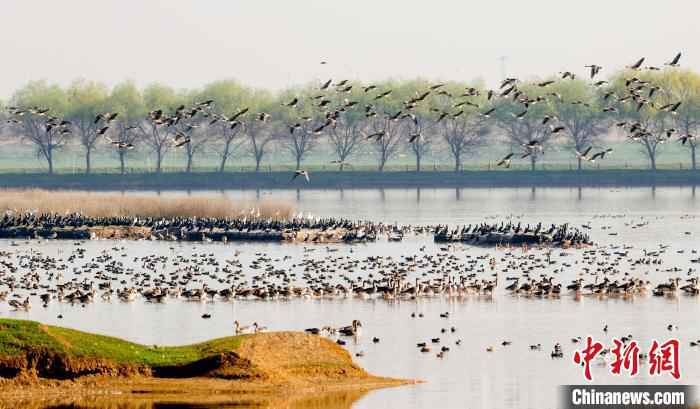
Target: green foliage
{"points": [[449, 118]]}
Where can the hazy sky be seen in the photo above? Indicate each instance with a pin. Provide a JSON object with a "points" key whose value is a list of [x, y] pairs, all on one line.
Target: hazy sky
{"points": [[277, 43]]}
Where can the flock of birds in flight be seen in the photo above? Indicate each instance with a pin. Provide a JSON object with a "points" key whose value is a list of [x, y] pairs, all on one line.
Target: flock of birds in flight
{"points": [[638, 92]]}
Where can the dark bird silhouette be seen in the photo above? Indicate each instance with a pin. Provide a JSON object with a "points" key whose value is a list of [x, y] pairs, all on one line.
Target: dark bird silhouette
{"points": [[675, 61], [300, 172]]}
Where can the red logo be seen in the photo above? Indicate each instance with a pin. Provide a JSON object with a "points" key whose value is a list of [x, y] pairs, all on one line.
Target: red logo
{"points": [[663, 358]]}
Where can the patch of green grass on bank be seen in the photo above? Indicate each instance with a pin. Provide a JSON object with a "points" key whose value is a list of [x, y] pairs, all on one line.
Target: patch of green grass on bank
{"points": [[18, 337]]}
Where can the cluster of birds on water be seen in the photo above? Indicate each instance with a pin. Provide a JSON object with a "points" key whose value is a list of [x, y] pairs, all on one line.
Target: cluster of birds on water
{"points": [[176, 228], [327, 110], [512, 234], [80, 278], [183, 228], [448, 273]]}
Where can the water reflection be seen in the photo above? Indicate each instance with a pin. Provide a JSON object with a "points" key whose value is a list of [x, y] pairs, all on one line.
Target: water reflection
{"points": [[334, 400]]}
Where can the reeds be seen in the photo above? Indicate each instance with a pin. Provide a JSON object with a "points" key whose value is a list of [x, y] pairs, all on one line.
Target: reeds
{"points": [[96, 204]]}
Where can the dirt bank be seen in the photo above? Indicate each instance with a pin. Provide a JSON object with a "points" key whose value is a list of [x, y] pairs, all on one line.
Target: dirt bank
{"points": [[42, 362]]}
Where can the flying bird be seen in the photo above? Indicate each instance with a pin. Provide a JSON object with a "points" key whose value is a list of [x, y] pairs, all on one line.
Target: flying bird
{"points": [[293, 103], [637, 65], [675, 61], [506, 160], [600, 155], [595, 69], [300, 172]]}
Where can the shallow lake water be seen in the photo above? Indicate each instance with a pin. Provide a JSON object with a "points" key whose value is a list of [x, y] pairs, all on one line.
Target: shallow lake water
{"points": [[511, 376]]}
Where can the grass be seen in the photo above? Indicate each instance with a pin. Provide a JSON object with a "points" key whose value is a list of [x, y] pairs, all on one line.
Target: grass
{"points": [[17, 337], [22, 158], [119, 205]]}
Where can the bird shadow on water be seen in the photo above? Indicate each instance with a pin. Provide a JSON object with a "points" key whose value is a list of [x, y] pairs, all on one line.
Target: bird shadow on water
{"points": [[331, 400]]}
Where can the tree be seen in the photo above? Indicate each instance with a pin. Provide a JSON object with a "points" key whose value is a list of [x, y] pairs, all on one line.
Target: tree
{"points": [[34, 97], [684, 85], [86, 99], [347, 133], [259, 133], [346, 137], [463, 135], [386, 137], [578, 110], [193, 126], [126, 99], [457, 119], [521, 119], [639, 110], [386, 125], [299, 127], [229, 97], [420, 120], [158, 137]]}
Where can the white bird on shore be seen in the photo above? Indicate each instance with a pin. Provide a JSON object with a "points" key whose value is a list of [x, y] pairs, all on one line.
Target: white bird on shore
{"points": [[241, 329]]}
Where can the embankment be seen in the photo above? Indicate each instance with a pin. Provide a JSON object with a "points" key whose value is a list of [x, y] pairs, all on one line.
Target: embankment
{"points": [[355, 180], [54, 361]]}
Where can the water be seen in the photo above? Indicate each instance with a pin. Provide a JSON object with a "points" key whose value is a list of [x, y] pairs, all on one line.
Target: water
{"points": [[468, 376]]}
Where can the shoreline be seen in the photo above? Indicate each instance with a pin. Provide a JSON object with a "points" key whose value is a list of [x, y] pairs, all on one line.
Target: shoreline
{"points": [[352, 180], [139, 389], [39, 362]]}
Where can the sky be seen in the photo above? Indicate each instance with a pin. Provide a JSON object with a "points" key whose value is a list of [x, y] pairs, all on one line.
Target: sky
{"points": [[278, 43]]}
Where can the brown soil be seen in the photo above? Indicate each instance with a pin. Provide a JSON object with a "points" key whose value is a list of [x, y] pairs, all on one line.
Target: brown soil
{"points": [[311, 236], [121, 232], [266, 368]]}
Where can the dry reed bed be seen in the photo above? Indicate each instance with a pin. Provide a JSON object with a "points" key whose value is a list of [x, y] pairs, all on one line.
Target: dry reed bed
{"points": [[97, 204]]}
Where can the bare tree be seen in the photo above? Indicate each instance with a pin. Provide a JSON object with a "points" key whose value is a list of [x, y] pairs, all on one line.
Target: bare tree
{"points": [[227, 134], [127, 138], [301, 140], [688, 124], [196, 133], [584, 125], [86, 99], [650, 136], [462, 136], [530, 136], [420, 137], [43, 132], [158, 138], [524, 127], [345, 137], [259, 137], [386, 136], [86, 128]]}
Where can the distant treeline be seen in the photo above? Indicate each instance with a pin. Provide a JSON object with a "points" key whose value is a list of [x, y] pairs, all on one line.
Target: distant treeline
{"points": [[650, 108]]}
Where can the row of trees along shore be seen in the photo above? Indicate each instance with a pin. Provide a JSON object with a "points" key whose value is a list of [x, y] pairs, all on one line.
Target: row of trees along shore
{"points": [[451, 115]]}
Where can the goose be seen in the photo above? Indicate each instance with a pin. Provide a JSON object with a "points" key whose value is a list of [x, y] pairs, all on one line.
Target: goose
{"points": [[351, 330], [674, 62], [300, 172], [505, 161], [637, 64], [239, 329]]}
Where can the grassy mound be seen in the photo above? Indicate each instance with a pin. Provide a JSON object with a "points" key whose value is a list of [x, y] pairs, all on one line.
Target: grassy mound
{"points": [[29, 348]]}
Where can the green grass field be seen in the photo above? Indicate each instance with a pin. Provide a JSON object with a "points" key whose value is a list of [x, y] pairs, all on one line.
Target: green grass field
{"points": [[17, 337], [22, 158]]}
